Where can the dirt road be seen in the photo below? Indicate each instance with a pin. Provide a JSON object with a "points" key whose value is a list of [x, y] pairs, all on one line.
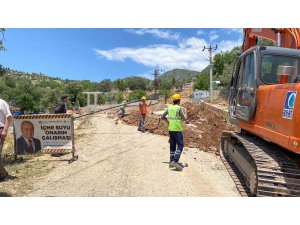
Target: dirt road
{"points": [[117, 160]]}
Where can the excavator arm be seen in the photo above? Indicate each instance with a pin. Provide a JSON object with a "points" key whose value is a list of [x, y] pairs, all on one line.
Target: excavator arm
{"points": [[284, 37]]}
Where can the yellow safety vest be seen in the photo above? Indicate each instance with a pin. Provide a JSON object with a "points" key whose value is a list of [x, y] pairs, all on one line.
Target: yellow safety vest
{"points": [[123, 105], [175, 120]]}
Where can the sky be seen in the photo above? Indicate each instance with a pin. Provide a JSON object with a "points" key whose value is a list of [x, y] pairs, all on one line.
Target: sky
{"points": [[96, 54], [110, 53]]}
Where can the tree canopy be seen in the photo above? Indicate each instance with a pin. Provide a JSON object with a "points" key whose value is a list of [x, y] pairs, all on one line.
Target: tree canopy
{"points": [[1, 39]]}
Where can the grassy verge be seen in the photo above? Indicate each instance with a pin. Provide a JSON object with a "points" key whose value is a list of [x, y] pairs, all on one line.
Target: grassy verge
{"points": [[25, 171]]}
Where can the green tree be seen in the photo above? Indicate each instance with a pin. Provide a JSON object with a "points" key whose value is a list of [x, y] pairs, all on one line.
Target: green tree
{"points": [[105, 85], [88, 85], [110, 97], [73, 90], [166, 94], [102, 99], [136, 95], [218, 65], [202, 82], [179, 84], [49, 84], [2, 71], [27, 104], [135, 83], [173, 81], [223, 65], [2, 30], [165, 85], [82, 99], [3, 90], [119, 97], [120, 84], [51, 98], [25, 95], [149, 86]]}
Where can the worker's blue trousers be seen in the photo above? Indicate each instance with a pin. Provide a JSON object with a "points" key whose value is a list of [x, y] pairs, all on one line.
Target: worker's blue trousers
{"points": [[176, 140], [142, 121]]}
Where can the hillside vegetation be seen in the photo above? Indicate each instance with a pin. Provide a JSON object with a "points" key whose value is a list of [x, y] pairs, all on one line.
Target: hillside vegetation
{"points": [[36, 92]]}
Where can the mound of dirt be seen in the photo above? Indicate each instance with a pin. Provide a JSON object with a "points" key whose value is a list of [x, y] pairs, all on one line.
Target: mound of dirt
{"points": [[202, 129]]}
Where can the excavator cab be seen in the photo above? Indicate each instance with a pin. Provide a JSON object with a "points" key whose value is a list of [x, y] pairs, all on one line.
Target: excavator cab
{"points": [[259, 66]]}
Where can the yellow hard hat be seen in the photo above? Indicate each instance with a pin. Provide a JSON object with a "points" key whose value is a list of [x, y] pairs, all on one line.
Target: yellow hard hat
{"points": [[176, 97], [143, 98]]}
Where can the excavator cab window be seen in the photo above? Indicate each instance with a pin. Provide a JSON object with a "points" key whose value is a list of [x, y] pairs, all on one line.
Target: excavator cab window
{"points": [[246, 80], [242, 96], [233, 91], [278, 69]]}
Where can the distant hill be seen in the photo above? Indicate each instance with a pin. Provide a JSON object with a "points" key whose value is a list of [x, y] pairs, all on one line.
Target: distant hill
{"points": [[180, 75], [15, 74], [142, 79], [205, 70]]}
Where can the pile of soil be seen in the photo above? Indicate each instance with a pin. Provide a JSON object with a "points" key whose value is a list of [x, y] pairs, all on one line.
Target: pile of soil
{"points": [[202, 129]]}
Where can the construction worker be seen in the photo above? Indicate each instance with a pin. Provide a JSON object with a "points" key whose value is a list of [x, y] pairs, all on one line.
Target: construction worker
{"points": [[122, 111], [61, 109], [176, 115], [5, 120], [62, 106], [143, 112]]}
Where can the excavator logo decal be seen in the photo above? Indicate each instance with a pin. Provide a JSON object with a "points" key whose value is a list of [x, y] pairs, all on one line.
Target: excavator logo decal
{"points": [[289, 104]]}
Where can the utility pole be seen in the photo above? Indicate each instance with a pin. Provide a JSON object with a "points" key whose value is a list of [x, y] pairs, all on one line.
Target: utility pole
{"points": [[155, 82], [210, 70]]}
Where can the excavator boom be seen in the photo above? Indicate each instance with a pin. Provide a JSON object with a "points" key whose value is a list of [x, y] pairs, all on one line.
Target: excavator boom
{"points": [[284, 37]]}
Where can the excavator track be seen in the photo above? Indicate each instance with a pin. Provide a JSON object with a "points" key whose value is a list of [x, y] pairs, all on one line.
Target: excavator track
{"points": [[236, 175], [276, 174]]}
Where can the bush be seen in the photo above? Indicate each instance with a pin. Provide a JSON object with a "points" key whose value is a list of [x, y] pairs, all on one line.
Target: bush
{"points": [[202, 82], [166, 94], [136, 95], [119, 97]]}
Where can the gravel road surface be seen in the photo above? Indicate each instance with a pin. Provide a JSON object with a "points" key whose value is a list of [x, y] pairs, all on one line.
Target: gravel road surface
{"points": [[117, 160]]}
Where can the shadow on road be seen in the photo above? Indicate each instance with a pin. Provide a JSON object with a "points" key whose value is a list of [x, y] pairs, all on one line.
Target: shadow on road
{"points": [[4, 194], [182, 164]]}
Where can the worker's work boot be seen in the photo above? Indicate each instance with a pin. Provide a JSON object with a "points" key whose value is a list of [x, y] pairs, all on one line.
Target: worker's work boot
{"points": [[3, 172], [183, 164], [175, 165], [171, 165]]}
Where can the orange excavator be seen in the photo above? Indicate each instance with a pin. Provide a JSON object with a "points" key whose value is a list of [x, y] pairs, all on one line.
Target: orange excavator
{"points": [[262, 154]]}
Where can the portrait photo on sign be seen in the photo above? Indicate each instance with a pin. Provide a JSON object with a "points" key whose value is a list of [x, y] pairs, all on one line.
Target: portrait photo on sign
{"points": [[26, 140], [33, 135]]}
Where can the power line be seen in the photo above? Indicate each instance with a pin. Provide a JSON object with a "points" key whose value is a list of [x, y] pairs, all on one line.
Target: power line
{"points": [[196, 43]]}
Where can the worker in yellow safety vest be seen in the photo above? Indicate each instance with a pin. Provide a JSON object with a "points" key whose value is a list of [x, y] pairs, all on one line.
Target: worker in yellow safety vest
{"points": [[176, 116], [121, 111]]}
